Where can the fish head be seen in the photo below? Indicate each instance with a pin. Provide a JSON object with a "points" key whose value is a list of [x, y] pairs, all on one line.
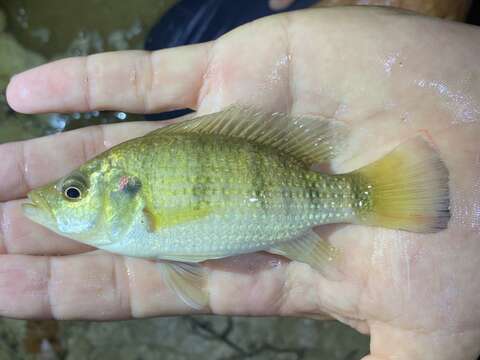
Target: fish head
{"points": [[71, 206], [96, 204]]}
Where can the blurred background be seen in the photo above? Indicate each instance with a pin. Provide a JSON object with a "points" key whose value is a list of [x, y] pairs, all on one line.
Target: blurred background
{"points": [[33, 32]]}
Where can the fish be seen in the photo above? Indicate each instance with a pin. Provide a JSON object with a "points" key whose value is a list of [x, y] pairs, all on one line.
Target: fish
{"points": [[235, 182]]}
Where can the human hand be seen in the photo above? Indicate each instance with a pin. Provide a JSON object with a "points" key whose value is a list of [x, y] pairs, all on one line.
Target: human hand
{"points": [[448, 9], [388, 76]]}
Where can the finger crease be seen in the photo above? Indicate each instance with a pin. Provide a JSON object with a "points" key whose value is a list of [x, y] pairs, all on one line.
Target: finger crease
{"points": [[148, 83], [84, 149], [288, 60], [285, 291], [23, 168], [115, 279], [122, 296], [135, 82], [50, 306], [101, 144], [3, 242], [128, 291], [93, 143], [87, 85], [203, 88]]}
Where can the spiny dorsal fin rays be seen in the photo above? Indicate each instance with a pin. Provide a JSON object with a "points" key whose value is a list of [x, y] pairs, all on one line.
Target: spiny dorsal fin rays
{"points": [[310, 139]]}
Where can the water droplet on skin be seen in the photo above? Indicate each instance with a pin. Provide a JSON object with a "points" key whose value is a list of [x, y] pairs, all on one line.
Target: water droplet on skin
{"points": [[275, 263], [389, 63], [421, 83], [107, 144], [461, 103]]}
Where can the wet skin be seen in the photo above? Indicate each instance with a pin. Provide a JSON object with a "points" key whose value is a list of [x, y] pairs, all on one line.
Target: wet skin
{"points": [[388, 75], [448, 9]]}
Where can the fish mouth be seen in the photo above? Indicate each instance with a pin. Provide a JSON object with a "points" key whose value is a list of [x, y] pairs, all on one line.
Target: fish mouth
{"points": [[36, 200], [37, 208]]}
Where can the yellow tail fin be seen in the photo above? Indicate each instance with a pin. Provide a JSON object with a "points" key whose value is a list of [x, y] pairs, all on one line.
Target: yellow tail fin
{"points": [[408, 189]]}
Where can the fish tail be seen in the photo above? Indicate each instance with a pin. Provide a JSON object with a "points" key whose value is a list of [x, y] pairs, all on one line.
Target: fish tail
{"points": [[407, 189]]}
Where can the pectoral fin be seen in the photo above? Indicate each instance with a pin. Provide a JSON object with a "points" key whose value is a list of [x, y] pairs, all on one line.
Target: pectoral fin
{"points": [[153, 220], [188, 281], [311, 249], [157, 221]]}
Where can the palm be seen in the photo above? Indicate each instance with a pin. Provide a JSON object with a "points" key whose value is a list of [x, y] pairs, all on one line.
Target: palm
{"points": [[378, 71]]}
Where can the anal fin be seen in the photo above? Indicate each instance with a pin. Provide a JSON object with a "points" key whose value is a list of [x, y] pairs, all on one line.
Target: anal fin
{"points": [[188, 281], [311, 249]]}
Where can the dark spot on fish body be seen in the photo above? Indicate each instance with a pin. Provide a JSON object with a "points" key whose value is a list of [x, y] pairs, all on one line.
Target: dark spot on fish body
{"points": [[257, 172], [130, 185], [361, 195], [200, 190], [313, 190], [328, 198]]}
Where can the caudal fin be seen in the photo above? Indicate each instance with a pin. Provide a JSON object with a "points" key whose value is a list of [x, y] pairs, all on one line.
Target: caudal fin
{"points": [[408, 189]]}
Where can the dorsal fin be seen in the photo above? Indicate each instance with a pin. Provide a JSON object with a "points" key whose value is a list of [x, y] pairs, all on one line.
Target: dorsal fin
{"points": [[310, 139]]}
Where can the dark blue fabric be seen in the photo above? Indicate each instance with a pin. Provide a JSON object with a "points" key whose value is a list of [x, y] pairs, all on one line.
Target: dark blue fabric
{"points": [[196, 21]]}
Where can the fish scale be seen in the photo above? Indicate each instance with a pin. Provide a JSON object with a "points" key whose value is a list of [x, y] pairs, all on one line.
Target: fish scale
{"points": [[250, 207]]}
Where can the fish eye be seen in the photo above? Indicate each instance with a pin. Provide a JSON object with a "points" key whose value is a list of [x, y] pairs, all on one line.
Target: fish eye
{"points": [[72, 193], [74, 188]]}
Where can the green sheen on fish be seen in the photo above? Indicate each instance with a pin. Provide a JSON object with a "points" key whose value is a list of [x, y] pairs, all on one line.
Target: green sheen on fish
{"points": [[236, 182]]}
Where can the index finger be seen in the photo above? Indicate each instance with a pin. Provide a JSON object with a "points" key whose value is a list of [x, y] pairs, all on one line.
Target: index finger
{"points": [[133, 81], [28, 164]]}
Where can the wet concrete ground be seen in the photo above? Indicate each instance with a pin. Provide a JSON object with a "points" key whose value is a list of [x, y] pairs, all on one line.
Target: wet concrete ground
{"points": [[187, 337]]}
